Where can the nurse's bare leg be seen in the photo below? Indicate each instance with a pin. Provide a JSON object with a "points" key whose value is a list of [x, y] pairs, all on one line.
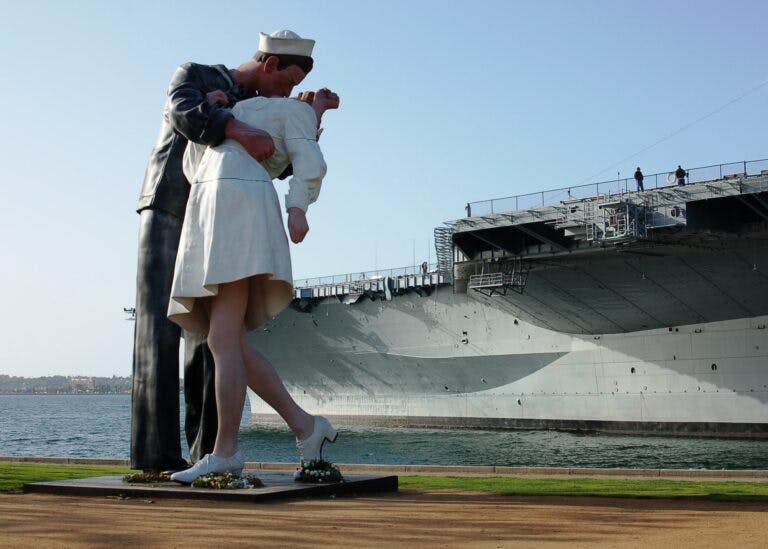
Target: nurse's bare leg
{"points": [[265, 382], [227, 311]]}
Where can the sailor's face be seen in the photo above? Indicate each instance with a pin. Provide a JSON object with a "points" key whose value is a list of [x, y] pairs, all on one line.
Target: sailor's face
{"points": [[281, 82]]}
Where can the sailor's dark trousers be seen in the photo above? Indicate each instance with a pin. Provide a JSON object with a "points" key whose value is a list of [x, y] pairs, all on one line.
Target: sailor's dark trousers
{"points": [[155, 430]]}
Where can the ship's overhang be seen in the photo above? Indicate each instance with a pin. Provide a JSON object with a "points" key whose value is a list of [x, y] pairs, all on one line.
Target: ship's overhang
{"points": [[733, 214], [680, 256], [628, 292], [513, 239]]}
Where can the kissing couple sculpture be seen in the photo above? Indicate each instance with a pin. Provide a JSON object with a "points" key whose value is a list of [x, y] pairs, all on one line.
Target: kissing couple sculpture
{"points": [[230, 132]]}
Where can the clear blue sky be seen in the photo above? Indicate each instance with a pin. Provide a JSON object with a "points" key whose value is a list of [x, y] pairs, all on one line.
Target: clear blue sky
{"points": [[443, 102]]}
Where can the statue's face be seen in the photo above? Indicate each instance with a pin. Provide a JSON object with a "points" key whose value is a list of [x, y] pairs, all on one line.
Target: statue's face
{"points": [[280, 83]]}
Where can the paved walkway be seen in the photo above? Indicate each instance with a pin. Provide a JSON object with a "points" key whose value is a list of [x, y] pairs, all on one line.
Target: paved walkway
{"points": [[407, 519]]}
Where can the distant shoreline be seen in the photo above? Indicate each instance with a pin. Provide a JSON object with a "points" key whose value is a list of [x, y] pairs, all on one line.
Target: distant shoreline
{"points": [[65, 385]]}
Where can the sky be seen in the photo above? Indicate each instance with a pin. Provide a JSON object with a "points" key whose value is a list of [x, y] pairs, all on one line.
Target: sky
{"points": [[443, 103]]}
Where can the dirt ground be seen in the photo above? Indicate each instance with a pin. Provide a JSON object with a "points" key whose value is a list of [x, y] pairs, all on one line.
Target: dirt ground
{"points": [[406, 519]]}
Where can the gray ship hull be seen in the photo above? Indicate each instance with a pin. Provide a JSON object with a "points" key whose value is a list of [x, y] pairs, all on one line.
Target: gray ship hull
{"points": [[449, 360]]}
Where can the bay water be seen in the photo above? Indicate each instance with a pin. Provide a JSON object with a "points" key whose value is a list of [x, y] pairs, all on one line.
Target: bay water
{"points": [[98, 426]]}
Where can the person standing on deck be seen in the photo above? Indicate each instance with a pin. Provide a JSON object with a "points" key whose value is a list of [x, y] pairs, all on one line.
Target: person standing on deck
{"points": [[639, 179], [680, 174]]}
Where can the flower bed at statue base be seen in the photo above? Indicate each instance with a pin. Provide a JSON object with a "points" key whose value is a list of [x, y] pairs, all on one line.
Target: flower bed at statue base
{"points": [[147, 477], [318, 470], [220, 481]]}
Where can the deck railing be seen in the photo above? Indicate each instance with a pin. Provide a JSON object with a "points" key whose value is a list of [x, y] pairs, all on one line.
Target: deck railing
{"points": [[615, 186], [365, 275]]}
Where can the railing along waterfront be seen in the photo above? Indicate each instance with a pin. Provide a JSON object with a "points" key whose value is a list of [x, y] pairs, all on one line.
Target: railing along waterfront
{"points": [[365, 275], [615, 186]]}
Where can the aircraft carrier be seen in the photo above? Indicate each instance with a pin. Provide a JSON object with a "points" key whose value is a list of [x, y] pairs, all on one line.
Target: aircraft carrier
{"points": [[590, 308]]}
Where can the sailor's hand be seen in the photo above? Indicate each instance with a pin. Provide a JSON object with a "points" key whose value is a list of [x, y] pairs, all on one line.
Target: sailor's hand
{"points": [[307, 97], [297, 224], [217, 97], [256, 142]]}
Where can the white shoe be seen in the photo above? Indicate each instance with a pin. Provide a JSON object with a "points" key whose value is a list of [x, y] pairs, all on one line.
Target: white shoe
{"points": [[210, 463], [312, 447]]}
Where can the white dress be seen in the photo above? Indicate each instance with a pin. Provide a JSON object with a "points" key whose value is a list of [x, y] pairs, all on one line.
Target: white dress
{"points": [[233, 226]]}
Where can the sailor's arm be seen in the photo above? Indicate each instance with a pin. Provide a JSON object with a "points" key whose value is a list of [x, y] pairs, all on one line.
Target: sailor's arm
{"points": [[190, 113], [208, 122]]}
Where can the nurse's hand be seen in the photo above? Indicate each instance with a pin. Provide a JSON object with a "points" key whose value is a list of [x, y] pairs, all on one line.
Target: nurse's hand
{"points": [[297, 224], [326, 99]]}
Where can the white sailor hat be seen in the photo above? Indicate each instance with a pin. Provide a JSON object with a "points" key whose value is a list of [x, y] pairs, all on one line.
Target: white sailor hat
{"points": [[285, 42]]}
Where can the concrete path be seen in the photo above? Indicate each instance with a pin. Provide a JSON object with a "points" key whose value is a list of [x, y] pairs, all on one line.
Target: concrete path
{"points": [[405, 519]]}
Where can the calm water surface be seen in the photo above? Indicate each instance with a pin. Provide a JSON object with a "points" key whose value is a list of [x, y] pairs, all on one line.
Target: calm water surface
{"points": [[99, 426]]}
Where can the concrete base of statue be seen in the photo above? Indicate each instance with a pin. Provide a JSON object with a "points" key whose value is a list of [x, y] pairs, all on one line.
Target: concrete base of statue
{"points": [[277, 485]]}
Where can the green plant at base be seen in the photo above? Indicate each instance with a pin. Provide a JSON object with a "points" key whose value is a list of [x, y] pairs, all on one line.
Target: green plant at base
{"points": [[221, 481], [319, 471], [147, 477]]}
